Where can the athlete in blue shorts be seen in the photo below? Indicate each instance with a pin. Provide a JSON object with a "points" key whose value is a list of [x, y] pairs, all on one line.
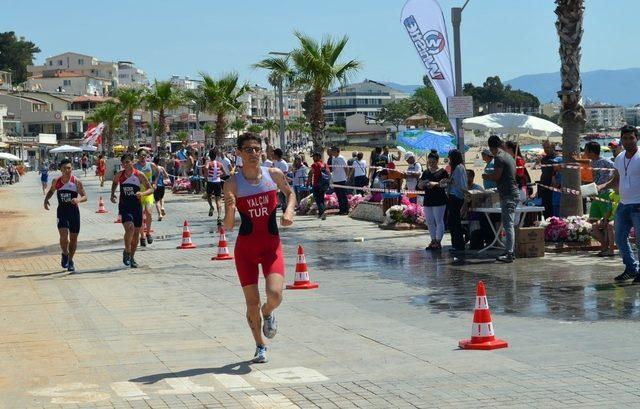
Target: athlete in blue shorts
{"points": [[70, 192], [131, 184]]}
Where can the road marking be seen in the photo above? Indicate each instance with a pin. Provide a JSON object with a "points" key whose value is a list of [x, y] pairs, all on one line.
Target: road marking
{"points": [[272, 401], [233, 382], [297, 374], [128, 391], [72, 393], [184, 385]]}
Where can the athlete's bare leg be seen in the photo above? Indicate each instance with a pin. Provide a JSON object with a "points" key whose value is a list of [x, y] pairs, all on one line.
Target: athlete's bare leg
{"points": [[148, 219], [158, 207], [211, 204], [254, 318], [73, 244], [128, 235], [275, 283], [218, 205], [64, 240], [135, 237]]}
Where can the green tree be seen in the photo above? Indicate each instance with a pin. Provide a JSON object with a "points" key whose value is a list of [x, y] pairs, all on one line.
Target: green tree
{"points": [[569, 27], [318, 66], [183, 136], [207, 130], [15, 54], [255, 128], [237, 125], [162, 97], [269, 125], [395, 112], [280, 74], [426, 101], [130, 99], [222, 98], [111, 114]]}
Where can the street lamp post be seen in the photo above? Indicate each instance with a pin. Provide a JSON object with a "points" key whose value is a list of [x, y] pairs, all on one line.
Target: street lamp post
{"points": [[456, 20]]}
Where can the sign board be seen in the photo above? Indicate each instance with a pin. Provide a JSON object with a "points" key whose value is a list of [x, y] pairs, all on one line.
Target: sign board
{"points": [[47, 139], [57, 115], [197, 135], [460, 107]]}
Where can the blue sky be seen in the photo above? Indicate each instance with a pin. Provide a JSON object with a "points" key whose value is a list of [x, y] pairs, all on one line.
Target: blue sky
{"points": [[504, 37]]}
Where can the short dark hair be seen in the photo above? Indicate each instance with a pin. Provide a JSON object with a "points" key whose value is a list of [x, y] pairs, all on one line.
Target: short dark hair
{"points": [[511, 145], [64, 161], [494, 141], [472, 173], [140, 150], [335, 149], [455, 158], [593, 147], [212, 154], [156, 159], [248, 136], [629, 129], [316, 155], [126, 156], [378, 149], [278, 153], [433, 154]]}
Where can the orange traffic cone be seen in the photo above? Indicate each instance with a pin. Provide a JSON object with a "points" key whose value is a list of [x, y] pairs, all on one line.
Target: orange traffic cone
{"points": [[101, 208], [301, 281], [119, 219], [223, 250], [186, 237], [482, 336]]}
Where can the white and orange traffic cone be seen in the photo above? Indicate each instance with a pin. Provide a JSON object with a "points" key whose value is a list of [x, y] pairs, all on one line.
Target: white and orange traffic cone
{"points": [[482, 336], [223, 249], [302, 279], [101, 208], [186, 237], [119, 219]]}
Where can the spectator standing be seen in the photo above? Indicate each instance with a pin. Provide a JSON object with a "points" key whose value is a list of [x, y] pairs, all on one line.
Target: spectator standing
{"points": [[602, 169], [350, 173], [627, 178], [281, 164], [457, 188], [435, 199], [504, 174], [487, 157], [414, 171], [603, 229], [360, 172], [300, 176], [378, 160], [339, 177], [318, 169]]}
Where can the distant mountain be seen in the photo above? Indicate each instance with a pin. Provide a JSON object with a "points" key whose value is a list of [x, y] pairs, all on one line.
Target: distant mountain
{"points": [[620, 87], [407, 89]]}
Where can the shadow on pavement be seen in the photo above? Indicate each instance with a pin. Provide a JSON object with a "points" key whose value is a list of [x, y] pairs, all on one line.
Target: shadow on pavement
{"points": [[37, 274], [61, 274], [238, 368]]}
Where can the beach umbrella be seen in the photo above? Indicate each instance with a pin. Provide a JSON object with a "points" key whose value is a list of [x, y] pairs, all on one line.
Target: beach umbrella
{"points": [[423, 141], [515, 124], [66, 149], [89, 148], [8, 156]]}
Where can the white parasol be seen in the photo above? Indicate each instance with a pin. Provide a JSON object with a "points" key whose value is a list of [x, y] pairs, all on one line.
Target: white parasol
{"points": [[515, 124], [66, 149], [9, 156]]}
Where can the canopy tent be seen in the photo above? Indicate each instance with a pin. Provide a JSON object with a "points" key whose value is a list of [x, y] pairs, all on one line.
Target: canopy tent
{"points": [[89, 148], [423, 141], [8, 156], [66, 149], [514, 124]]}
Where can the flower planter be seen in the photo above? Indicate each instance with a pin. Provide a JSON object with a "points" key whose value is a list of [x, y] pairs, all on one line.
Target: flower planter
{"points": [[570, 246], [369, 211], [401, 226]]}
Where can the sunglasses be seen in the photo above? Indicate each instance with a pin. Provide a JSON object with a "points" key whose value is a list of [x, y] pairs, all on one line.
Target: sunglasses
{"points": [[251, 149]]}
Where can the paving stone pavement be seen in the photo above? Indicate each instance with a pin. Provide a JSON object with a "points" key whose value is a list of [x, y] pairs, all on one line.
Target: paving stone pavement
{"points": [[380, 332]]}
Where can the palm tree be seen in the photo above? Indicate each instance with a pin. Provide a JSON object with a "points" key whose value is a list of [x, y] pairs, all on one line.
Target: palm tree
{"points": [[280, 74], [208, 130], [130, 100], [317, 66], [237, 125], [223, 98], [194, 99], [291, 126], [269, 125], [111, 114], [162, 98], [255, 128], [569, 27]]}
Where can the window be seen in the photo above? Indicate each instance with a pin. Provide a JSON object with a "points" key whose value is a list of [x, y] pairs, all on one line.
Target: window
{"points": [[59, 62], [81, 61], [66, 83], [50, 63]]}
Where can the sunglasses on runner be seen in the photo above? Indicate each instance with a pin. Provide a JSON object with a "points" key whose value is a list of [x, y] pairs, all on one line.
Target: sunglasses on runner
{"points": [[251, 149]]}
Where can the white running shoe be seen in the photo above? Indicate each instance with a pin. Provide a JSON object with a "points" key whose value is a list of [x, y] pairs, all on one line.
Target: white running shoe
{"points": [[260, 356], [269, 326]]}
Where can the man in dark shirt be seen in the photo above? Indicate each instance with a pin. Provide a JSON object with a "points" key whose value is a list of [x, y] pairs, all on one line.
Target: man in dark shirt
{"points": [[546, 177], [504, 174]]}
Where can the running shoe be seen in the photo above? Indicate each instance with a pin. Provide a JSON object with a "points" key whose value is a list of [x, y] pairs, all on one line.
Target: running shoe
{"points": [[269, 326], [323, 217], [125, 258], [506, 258], [143, 242], [210, 211], [149, 239], [162, 212], [260, 356], [636, 280], [625, 276], [133, 263], [71, 267], [64, 262], [219, 222]]}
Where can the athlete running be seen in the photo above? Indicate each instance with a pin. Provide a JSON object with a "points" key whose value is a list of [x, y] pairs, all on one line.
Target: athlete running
{"points": [[158, 192], [84, 162], [133, 186], [70, 192], [215, 172], [101, 168], [150, 170], [253, 190], [44, 175]]}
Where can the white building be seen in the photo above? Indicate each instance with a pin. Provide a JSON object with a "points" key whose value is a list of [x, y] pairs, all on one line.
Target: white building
{"points": [[70, 83], [549, 109], [263, 103], [79, 63], [632, 115], [3, 113], [184, 83], [130, 75], [367, 98], [605, 116]]}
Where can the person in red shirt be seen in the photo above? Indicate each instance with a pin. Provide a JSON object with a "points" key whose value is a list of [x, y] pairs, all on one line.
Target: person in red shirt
{"points": [[101, 168], [319, 187], [522, 174]]}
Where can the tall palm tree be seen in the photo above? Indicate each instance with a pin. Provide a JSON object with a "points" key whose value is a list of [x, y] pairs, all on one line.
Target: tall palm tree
{"points": [[269, 125], [194, 99], [569, 27], [208, 130], [111, 114], [317, 66], [255, 128], [162, 98], [280, 74], [237, 125], [222, 98], [130, 100]]}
